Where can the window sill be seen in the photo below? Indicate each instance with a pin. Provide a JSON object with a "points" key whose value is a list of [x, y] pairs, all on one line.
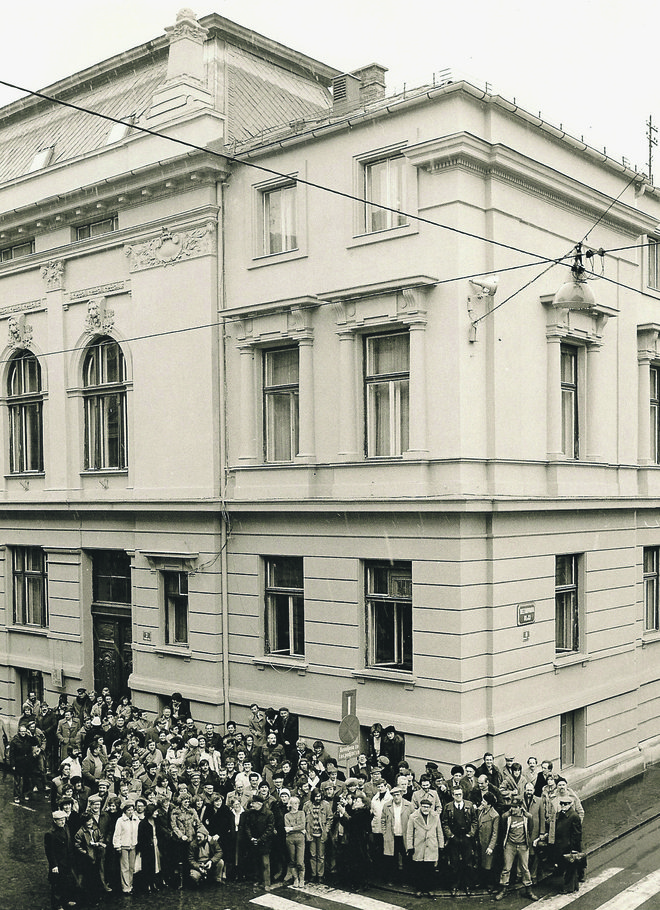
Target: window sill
{"points": [[274, 258], [28, 630], [281, 663], [182, 651], [407, 680], [96, 472], [19, 475], [405, 230], [570, 660], [650, 637]]}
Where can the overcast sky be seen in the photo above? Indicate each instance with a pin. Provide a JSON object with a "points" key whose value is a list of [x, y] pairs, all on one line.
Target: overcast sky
{"points": [[590, 66]]}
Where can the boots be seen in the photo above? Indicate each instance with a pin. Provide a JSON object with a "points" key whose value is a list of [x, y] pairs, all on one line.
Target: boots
{"points": [[530, 894]]}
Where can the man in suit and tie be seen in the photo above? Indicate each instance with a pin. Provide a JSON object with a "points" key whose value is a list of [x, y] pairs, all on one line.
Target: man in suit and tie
{"points": [[459, 825]]}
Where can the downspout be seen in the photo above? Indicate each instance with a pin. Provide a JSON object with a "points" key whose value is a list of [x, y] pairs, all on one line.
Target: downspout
{"points": [[224, 597]]}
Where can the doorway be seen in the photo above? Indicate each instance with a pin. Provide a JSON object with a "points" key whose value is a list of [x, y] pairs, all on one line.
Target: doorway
{"points": [[112, 621]]}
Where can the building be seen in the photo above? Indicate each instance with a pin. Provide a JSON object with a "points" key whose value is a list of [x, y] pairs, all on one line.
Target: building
{"points": [[349, 466]]}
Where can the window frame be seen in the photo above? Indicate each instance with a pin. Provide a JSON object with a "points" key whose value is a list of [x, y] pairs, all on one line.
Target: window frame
{"points": [[288, 600], [287, 191], [651, 588], [272, 391], [402, 650], [653, 263], [10, 253], [176, 609], [570, 392], [21, 576], [25, 416], [654, 409], [97, 405], [395, 218], [396, 381], [86, 231], [569, 632]]}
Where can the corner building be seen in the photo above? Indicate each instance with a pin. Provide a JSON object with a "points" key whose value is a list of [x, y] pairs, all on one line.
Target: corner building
{"points": [[288, 448]]}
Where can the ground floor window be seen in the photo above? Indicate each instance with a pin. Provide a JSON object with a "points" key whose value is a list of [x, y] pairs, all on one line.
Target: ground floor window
{"points": [[389, 615]]}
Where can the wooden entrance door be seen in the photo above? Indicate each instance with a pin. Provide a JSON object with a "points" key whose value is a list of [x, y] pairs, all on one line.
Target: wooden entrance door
{"points": [[113, 658]]}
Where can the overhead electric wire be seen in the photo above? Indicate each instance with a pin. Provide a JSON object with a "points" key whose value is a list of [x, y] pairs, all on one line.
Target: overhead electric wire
{"points": [[248, 163], [341, 193]]}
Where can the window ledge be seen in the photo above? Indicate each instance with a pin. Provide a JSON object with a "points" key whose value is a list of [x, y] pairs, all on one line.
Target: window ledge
{"points": [[18, 475], [273, 258], [98, 472], [182, 651], [283, 663], [407, 680], [650, 637], [28, 630], [570, 660], [405, 230]]}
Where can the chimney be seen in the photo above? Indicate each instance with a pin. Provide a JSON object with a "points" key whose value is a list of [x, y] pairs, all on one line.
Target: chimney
{"points": [[372, 82]]}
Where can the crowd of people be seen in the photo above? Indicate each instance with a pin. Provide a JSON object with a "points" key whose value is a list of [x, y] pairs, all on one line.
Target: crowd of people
{"points": [[143, 803]]}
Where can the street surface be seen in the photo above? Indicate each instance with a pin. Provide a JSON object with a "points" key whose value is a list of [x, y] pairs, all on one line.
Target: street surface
{"points": [[622, 876]]}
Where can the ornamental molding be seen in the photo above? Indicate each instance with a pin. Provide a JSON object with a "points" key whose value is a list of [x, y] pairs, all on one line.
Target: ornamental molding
{"points": [[30, 305], [100, 290], [186, 26], [53, 274], [171, 247], [100, 320], [19, 333], [497, 161], [648, 349]]}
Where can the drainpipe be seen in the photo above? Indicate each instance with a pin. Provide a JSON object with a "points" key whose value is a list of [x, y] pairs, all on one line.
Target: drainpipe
{"points": [[220, 303]]}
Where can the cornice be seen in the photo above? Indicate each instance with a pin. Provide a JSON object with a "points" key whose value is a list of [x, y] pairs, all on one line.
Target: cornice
{"points": [[466, 151], [391, 286], [155, 181], [254, 310]]}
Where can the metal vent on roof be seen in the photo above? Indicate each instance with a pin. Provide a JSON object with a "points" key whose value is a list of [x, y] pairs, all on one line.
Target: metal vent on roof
{"points": [[345, 93], [42, 159]]}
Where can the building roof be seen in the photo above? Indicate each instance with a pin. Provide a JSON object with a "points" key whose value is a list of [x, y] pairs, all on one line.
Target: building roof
{"points": [[265, 85]]}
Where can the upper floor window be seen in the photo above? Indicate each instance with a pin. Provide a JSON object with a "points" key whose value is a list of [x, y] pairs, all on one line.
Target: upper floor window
{"points": [[570, 427], [389, 615], [383, 194], [567, 607], [653, 279], [387, 380], [17, 251], [29, 569], [285, 606], [651, 589], [111, 576], [25, 404], [105, 406], [96, 228], [175, 585], [281, 404], [654, 404], [278, 218]]}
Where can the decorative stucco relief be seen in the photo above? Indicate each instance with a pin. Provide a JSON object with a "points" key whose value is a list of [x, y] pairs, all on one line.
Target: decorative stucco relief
{"points": [[53, 274], [19, 334], [169, 248], [100, 319]]}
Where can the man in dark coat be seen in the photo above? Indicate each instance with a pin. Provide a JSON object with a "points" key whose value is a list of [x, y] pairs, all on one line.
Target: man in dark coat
{"points": [[459, 826], [259, 829], [58, 845], [566, 851], [22, 762], [287, 731]]}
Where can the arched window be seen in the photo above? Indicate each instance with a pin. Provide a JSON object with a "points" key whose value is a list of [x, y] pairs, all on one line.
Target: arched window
{"points": [[25, 402], [104, 379]]}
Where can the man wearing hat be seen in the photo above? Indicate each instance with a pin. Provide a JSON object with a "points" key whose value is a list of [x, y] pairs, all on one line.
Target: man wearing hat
{"points": [[124, 841], [394, 823], [565, 844], [58, 845], [517, 840], [259, 829], [424, 840]]}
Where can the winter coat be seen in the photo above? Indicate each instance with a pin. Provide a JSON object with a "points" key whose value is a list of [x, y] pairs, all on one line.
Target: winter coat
{"points": [[387, 824], [260, 825], [424, 836], [488, 824]]}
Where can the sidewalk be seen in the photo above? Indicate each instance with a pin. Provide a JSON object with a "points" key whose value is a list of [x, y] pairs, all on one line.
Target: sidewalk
{"points": [[615, 812]]}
